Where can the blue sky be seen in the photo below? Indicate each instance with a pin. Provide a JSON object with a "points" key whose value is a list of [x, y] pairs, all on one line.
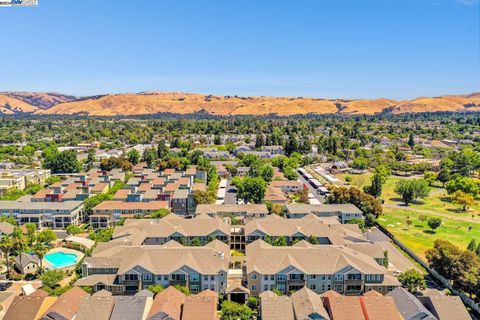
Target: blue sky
{"points": [[319, 48]]}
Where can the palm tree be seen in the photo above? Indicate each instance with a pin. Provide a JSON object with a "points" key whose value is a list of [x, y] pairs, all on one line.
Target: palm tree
{"points": [[18, 238], [6, 245], [40, 250]]}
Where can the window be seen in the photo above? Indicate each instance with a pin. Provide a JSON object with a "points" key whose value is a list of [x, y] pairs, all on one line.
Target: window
{"points": [[147, 277], [313, 287], [281, 277], [265, 277], [194, 277], [254, 288], [265, 287], [254, 277], [131, 277], [313, 276], [194, 288]]}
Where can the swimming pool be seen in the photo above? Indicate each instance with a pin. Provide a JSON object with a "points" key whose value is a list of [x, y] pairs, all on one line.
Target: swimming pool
{"points": [[61, 259]]}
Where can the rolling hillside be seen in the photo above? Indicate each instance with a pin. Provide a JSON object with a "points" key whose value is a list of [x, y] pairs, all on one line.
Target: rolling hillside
{"points": [[184, 103]]}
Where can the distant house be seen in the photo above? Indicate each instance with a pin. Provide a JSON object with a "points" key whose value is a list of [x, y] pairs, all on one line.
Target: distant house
{"points": [[26, 263], [241, 149], [273, 150]]}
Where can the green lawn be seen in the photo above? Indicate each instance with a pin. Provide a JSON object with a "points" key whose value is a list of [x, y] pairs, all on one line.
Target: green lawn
{"points": [[417, 236]]}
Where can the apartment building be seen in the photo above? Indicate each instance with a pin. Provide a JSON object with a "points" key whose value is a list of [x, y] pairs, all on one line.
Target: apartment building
{"points": [[319, 268], [201, 228], [344, 212], [287, 186], [20, 179], [325, 231], [108, 212], [241, 212], [56, 215], [126, 269]]}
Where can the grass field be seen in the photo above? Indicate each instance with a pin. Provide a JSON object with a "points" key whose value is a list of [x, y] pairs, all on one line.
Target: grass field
{"points": [[418, 236]]}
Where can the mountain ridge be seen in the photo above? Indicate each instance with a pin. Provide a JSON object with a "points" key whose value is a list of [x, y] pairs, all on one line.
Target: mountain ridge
{"points": [[145, 103]]}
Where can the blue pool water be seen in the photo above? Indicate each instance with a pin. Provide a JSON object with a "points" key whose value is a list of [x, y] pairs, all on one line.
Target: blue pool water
{"points": [[61, 259]]}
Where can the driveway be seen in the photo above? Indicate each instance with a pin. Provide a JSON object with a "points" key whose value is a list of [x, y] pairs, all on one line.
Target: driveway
{"points": [[396, 258]]}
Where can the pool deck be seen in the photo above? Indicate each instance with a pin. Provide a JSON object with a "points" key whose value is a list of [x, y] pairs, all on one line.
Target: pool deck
{"points": [[48, 265]]}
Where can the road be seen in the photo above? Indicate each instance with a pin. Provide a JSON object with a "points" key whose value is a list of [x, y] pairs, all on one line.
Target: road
{"points": [[231, 194]]}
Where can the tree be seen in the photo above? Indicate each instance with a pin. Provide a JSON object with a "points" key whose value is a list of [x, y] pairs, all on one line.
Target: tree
{"points": [[266, 172], [102, 235], [46, 236], [61, 162], [434, 223], [195, 242], [477, 250], [280, 242], [472, 245], [443, 257], [235, 311], [252, 303], [412, 280], [155, 288], [6, 246], [73, 229], [18, 238], [430, 177], [160, 213], [162, 150], [365, 202], [204, 197], [444, 176], [358, 221], [463, 199], [412, 190], [313, 240], [182, 289], [386, 259], [375, 189], [465, 184], [51, 278], [411, 141], [251, 189], [133, 156], [40, 250]]}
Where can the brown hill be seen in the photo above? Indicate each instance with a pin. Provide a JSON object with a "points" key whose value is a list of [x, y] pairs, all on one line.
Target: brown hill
{"points": [[183, 103], [43, 100], [9, 105]]}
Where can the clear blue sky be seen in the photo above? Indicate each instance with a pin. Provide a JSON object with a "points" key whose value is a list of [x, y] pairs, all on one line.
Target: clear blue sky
{"points": [[318, 48]]}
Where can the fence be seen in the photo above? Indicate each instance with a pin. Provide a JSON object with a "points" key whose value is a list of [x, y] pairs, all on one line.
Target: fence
{"points": [[467, 300]]}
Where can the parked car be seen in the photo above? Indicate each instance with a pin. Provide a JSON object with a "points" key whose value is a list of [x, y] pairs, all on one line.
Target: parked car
{"points": [[5, 285]]}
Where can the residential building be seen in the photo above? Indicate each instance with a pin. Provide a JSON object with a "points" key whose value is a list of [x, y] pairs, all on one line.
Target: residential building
{"points": [[127, 269], [95, 308], [108, 212], [273, 307], [409, 306], [445, 307], [325, 231], [344, 212], [131, 307], [318, 267], [20, 179], [66, 306], [28, 307], [201, 306], [55, 215], [172, 227], [167, 305], [308, 305], [243, 212], [26, 263], [287, 186]]}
